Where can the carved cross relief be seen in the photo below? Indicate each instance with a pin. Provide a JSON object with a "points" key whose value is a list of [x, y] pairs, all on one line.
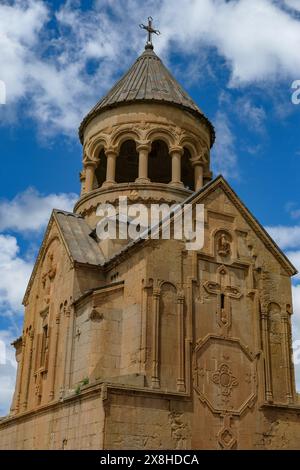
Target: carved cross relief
{"points": [[224, 292]]}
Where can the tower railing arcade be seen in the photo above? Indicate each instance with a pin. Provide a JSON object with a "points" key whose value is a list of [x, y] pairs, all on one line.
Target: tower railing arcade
{"points": [[197, 160]]}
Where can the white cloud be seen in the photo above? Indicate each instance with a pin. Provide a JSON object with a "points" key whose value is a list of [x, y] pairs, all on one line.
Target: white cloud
{"points": [[15, 272], [20, 24], [286, 237], [254, 116], [27, 212], [295, 4], [64, 66], [242, 31], [7, 373], [30, 210], [294, 257], [224, 158]]}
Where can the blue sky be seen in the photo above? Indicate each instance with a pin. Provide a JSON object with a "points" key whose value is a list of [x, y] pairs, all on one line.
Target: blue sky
{"points": [[237, 59]]}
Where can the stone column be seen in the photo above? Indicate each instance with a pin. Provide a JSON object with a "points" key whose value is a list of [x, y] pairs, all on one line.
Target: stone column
{"points": [[53, 368], [286, 349], [143, 148], [181, 371], [28, 371], [155, 339], [111, 156], [20, 388], [18, 344], [198, 174], [82, 181], [176, 154], [68, 345], [90, 167], [266, 351]]}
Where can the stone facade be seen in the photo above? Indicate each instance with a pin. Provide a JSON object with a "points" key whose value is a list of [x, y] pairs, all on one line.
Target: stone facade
{"points": [[145, 345]]}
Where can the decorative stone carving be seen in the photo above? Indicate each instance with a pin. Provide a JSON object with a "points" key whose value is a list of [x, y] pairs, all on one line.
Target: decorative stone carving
{"points": [[224, 375], [224, 245], [225, 379], [48, 276], [95, 315], [224, 294], [226, 436]]}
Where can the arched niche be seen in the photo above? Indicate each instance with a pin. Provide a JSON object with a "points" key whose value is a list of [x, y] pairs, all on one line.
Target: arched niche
{"points": [[222, 244], [169, 337], [100, 173], [187, 171], [159, 163], [127, 163]]}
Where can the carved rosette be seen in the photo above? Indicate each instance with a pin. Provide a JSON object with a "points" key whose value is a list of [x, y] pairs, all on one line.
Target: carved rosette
{"points": [[225, 379]]}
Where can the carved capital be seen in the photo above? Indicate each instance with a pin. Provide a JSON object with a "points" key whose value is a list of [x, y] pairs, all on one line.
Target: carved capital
{"points": [[156, 292], [111, 152], [264, 314], [88, 162], [197, 162], [284, 317], [68, 312], [143, 145], [175, 150]]}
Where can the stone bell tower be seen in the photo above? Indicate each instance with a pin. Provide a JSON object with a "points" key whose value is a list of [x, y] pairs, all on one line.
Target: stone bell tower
{"points": [[146, 139]]}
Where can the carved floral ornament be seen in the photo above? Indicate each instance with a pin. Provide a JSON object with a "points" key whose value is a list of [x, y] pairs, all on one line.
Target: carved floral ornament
{"points": [[225, 379], [146, 133]]}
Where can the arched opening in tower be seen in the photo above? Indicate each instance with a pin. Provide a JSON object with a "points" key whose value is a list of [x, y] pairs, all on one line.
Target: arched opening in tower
{"points": [[127, 164], [160, 164], [100, 173], [187, 171]]}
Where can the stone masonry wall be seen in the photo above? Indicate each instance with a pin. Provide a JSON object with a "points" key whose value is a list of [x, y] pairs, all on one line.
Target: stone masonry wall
{"points": [[78, 424]]}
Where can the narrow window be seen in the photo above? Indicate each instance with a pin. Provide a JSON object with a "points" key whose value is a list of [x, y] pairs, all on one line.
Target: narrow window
{"points": [[222, 301]]}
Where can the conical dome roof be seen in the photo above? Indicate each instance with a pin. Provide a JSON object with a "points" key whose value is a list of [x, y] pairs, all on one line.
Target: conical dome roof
{"points": [[148, 80]]}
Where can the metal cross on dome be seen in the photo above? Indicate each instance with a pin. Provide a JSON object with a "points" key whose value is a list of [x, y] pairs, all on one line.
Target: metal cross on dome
{"points": [[150, 30]]}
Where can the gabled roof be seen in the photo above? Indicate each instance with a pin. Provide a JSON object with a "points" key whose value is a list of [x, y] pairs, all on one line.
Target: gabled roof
{"points": [[79, 244], [76, 234], [260, 231], [148, 80]]}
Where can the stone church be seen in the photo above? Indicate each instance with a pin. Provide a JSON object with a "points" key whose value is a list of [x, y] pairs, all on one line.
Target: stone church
{"points": [[144, 344]]}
